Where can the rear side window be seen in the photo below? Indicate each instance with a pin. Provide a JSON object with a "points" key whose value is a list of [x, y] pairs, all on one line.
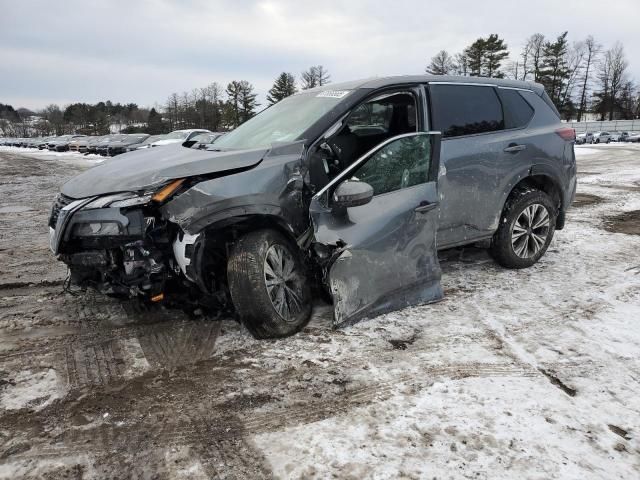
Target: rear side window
{"points": [[465, 110], [517, 112], [549, 102]]}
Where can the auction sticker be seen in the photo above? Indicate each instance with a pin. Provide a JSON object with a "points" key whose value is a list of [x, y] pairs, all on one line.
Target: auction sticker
{"points": [[334, 93]]}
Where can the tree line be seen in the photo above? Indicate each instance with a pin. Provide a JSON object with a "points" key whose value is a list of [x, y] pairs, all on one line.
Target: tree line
{"points": [[216, 108], [213, 107], [579, 76]]}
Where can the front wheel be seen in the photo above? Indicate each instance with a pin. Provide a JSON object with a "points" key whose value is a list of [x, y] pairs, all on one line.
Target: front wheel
{"points": [[268, 284], [526, 228]]}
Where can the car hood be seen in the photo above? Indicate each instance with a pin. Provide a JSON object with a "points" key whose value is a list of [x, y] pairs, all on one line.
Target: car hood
{"points": [[149, 168]]}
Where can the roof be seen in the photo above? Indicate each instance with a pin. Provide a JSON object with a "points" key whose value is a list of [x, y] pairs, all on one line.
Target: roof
{"points": [[380, 82]]}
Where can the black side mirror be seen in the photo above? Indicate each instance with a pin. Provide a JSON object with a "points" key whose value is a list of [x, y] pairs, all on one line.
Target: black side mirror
{"points": [[352, 193]]}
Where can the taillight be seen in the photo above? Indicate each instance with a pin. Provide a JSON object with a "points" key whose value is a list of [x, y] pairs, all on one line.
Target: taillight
{"points": [[567, 133]]}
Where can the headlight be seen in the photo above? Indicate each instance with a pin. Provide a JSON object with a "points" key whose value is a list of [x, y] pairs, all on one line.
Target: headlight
{"points": [[132, 199], [131, 202]]}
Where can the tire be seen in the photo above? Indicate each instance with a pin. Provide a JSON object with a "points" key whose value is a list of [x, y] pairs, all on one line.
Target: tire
{"points": [[269, 285], [597, 140], [608, 141], [530, 244]]}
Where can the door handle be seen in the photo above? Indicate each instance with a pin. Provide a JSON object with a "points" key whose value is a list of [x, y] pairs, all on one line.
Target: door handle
{"points": [[425, 206], [515, 148]]}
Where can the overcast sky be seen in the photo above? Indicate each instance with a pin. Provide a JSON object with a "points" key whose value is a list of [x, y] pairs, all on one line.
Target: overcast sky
{"points": [[141, 51]]}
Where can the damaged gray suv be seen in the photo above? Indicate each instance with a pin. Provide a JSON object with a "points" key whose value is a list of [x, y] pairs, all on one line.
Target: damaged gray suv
{"points": [[346, 191]]}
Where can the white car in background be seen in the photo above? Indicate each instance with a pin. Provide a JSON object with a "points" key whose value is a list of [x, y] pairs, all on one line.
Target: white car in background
{"points": [[602, 137], [586, 137], [178, 136]]}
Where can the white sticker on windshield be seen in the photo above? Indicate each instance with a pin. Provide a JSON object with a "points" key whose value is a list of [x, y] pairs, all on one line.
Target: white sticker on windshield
{"points": [[334, 93]]}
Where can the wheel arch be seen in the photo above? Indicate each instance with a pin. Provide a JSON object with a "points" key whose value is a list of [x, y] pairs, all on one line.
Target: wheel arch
{"points": [[211, 250], [541, 177]]}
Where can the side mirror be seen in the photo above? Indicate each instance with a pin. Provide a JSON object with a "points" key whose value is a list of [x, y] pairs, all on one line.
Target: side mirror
{"points": [[352, 193]]}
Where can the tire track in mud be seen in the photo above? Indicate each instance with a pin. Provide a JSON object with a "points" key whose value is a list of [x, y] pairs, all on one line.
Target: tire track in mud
{"points": [[230, 423], [99, 358]]}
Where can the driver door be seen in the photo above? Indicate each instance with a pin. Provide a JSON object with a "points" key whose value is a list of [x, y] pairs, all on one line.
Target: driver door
{"points": [[381, 255]]}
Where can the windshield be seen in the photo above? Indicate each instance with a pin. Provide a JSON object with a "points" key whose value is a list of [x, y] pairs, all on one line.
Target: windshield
{"points": [[283, 122], [176, 135]]}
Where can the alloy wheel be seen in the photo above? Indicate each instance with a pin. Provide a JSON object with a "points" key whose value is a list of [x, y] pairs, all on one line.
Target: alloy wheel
{"points": [[530, 231], [283, 283]]}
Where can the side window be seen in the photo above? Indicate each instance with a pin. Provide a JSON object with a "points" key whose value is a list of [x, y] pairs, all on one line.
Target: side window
{"points": [[465, 110], [403, 163], [371, 115], [517, 112]]}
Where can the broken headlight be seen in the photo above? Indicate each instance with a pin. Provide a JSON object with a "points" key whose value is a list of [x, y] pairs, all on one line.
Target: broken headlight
{"points": [[132, 199]]}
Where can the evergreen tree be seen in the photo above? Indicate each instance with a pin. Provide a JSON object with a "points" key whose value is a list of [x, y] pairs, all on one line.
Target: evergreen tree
{"points": [[441, 64], [495, 51], [554, 72], [284, 86], [475, 56], [484, 56], [154, 123], [241, 103]]}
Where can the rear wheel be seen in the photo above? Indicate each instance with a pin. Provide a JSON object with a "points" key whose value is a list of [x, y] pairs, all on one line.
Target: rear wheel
{"points": [[268, 284], [526, 228]]}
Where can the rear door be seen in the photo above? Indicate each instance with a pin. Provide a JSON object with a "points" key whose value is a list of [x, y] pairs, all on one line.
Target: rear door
{"points": [[382, 256], [470, 119]]}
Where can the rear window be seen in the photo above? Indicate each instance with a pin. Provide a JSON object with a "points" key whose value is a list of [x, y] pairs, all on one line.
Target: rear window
{"points": [[517, 112], [465, 110]]}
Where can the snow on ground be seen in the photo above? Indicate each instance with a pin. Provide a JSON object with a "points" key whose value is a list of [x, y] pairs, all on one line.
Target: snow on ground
{"points": [[516, 374], [74, 157]]}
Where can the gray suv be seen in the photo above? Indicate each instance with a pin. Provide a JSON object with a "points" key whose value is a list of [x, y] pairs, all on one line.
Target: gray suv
{"points": [[346, 191]]}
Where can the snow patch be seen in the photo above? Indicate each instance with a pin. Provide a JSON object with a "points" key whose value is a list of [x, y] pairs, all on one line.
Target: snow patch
{"points": [[27, 389]]}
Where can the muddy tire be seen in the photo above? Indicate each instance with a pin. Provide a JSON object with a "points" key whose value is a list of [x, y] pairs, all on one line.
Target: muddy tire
{"points": [[269, 285], [526, 228]]}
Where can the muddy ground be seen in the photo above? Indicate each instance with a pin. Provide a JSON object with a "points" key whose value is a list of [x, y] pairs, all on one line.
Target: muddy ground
{"points": [[516, 374]]}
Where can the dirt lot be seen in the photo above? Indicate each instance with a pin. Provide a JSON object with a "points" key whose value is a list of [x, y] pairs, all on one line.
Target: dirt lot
{"points": [[516, 374]]}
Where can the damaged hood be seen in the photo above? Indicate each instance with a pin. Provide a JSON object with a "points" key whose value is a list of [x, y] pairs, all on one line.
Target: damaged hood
{"points": [[151, 167]]}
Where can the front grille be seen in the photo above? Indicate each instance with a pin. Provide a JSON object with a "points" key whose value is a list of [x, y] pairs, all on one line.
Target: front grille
{"points": [[59, 203]]}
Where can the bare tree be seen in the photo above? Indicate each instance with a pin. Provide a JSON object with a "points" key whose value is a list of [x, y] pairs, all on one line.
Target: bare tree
{"points": [[532, 56], [592, 51], [575, 59], [619, 66], [316, 76], [611, 78], [461, 64], [441, 64]]}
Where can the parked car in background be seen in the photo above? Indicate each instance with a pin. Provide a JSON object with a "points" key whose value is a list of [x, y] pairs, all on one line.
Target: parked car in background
{"points": [[146, 144], [582, 138], [601, 137], [79, 144], [121, 145], [634, 137], [343, 187], [619, 136], [61, 143], [44, 143], [102, 148], [33, 142], [202, 140], [178, 136], [92, 143]]}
